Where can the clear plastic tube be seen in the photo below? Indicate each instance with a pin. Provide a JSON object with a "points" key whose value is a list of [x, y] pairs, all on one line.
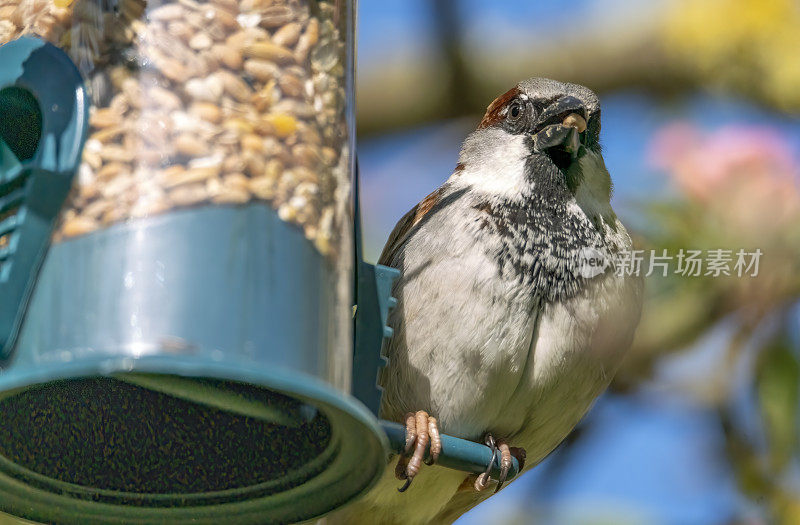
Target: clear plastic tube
{"points": [[204, 103]]}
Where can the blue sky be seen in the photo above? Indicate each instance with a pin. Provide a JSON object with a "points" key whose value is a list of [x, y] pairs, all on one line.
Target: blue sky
{"points": [[393, 28]]}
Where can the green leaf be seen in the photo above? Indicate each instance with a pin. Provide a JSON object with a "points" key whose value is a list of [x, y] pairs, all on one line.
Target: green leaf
{"points": [[778, 387]]}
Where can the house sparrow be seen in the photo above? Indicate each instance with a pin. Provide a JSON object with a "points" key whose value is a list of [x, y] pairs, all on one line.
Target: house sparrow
{"points": [[501, 329]]}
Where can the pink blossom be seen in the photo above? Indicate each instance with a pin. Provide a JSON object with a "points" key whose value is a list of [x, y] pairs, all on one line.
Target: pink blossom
{"points": [[700, 163]]}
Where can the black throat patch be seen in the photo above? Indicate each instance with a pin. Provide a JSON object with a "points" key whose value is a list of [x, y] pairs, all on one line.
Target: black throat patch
{"points": [[542, 239]]}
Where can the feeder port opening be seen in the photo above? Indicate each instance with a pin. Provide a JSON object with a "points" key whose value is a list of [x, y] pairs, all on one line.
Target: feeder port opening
{"points": [[107, 439], [21, 125]]}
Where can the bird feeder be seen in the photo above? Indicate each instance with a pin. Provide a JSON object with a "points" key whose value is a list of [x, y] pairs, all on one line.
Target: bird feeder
{"points": [[179, 260]]}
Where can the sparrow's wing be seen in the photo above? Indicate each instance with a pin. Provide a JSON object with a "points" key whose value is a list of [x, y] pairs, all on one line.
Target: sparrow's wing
{"points": [[405, 225]]}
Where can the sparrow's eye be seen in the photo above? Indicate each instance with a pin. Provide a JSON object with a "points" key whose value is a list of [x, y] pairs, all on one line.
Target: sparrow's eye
{"points": [[515, 111]]}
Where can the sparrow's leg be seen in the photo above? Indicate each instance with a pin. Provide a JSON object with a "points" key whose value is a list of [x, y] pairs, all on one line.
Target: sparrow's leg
{"points": [[499, 446], [421, 430]]}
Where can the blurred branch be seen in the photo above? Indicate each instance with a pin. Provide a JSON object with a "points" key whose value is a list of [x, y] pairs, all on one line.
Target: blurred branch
{"points": [[418, 95], [458, 80], [743, 47], [754, 477]]}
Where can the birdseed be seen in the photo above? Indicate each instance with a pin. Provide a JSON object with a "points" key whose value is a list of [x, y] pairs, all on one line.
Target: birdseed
{"points": [[203, 102]]}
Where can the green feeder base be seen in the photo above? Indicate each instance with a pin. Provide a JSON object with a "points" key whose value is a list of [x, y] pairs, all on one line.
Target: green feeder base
{"points": [[154, 380]]}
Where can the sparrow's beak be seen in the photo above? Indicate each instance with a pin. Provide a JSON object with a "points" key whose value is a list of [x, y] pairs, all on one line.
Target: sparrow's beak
{"points": [[563, 126]]}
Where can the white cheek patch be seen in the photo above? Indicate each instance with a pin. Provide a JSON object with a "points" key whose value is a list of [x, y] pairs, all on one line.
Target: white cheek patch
{"points": [[495, 167]]}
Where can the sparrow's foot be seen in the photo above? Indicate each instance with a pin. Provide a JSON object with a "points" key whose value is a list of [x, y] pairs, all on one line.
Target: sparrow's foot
{"points": [[499, 446], [421, 430]]}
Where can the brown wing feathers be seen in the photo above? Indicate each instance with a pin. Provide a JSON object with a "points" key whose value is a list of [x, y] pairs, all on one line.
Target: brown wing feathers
{"points": [[404, 226]]}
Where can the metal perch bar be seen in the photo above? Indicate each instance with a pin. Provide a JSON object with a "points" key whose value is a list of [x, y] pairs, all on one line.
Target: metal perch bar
{"points": [[457, 453]]}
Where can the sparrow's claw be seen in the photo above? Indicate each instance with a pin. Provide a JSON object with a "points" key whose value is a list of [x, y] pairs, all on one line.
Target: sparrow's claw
{"points": [[499, 446], [405, 485], [436, 441], [421, 430], [483, 480], [505, 463], [411, 430]]}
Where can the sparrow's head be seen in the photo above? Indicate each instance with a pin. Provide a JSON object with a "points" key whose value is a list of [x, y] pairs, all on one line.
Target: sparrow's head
{"points": [[540, 122], [560, 118]]}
